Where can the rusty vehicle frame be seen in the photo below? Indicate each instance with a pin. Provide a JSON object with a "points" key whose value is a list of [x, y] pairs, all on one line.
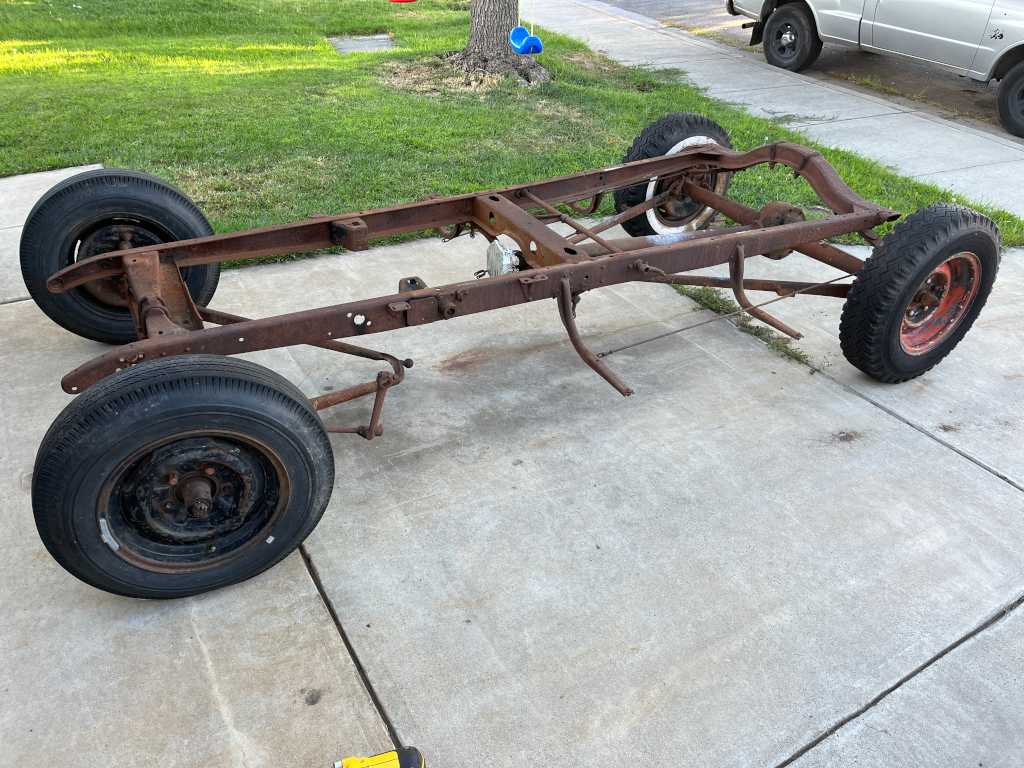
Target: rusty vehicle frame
{"points": [[178, 469], [556, 266]]}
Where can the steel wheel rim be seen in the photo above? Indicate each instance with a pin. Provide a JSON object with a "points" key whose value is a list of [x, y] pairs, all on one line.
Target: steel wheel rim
{"points": [[1017, 100], [786, 41], [107, 295], [156, 522], [683, 214], [940, 303]]}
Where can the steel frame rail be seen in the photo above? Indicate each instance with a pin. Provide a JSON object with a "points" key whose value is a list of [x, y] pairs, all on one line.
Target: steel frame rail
{"points": [[169, 323]]}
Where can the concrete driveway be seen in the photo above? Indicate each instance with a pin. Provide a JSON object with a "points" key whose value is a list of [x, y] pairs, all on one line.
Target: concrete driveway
{"points": [[744, 564]]}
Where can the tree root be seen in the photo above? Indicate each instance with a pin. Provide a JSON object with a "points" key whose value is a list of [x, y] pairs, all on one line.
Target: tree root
{"points": [[525, 68]]}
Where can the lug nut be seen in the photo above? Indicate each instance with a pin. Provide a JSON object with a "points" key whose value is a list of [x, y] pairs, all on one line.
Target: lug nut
{"points": [[209, 470], [168, 505], [172, 478]]}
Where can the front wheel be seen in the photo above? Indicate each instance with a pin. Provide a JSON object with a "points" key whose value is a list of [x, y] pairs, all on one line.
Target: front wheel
{"points": [[1010, 101], [180, 476], [98, 212], [790, 38], [919, 292]]}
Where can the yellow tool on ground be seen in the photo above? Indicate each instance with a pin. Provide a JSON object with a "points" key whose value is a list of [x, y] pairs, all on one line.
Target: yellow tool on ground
{"points": [[406, 757]]}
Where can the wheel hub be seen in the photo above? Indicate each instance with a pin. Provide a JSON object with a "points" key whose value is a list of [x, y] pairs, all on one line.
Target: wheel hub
{"points": [[113, 290], [679, 211], [940, 303], [192, 490], [788, 38]]}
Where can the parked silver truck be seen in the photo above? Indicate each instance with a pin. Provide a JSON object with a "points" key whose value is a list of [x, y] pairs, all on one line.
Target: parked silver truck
{"points": [[980, 39]]}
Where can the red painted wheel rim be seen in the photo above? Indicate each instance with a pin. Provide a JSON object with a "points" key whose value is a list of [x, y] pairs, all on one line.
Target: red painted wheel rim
{"points": [[940, 303]]}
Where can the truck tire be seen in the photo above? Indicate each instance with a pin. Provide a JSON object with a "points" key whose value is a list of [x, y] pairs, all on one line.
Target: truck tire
{"points": [[791, 38], [180, 476], [90, 214], [1010, 101], [919, 292]]}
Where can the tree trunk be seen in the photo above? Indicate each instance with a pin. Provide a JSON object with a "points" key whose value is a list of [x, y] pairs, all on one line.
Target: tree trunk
{"points": [[488, 49]]}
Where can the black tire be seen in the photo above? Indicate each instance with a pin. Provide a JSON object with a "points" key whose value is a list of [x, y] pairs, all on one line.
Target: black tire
{"points": [[1010, 101], [664, 136], [947, 251], [86, 215], [791, 38], [145, 441]]}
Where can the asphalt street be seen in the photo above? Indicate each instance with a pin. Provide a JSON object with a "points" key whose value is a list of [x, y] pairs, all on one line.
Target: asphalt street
{"points": [[914, 81]]}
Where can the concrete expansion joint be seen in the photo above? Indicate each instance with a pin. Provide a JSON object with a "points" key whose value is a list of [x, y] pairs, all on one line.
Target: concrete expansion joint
{"points": [[314, 574], [913, 425], [991, 621]]}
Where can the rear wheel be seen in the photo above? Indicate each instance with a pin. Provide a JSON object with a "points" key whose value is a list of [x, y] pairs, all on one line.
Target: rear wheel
{"points": [[181, 476], [97, 212], [1010, 101], [791, 38], [666, 136], [920, 292]]}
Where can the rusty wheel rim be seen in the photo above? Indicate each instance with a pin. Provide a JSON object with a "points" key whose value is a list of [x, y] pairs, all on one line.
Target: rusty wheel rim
{"points": [[193, 501], [113, 237], [110, 295], [940, 303]]}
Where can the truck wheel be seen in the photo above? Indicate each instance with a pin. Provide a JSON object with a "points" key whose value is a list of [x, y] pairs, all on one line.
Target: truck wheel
{"points": [[180, 476], [790, 38], [1010, 101], [919, 292], [93, 213], [666, 136]]}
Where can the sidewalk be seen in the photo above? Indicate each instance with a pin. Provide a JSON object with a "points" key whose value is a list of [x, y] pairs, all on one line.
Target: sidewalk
{"points": [[965, 156]]}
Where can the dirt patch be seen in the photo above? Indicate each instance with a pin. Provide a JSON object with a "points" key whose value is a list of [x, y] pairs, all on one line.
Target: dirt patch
{"points": [[593, 63], [435, 76], [847, 437], [949, 428]]}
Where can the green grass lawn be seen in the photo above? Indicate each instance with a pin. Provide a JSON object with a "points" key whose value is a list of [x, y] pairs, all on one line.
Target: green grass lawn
{"points": [[246, 106]]}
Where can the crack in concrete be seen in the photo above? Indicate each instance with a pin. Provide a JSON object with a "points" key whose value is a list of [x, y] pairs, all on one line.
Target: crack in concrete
{"points": [[995, 618], [237, 738]]}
